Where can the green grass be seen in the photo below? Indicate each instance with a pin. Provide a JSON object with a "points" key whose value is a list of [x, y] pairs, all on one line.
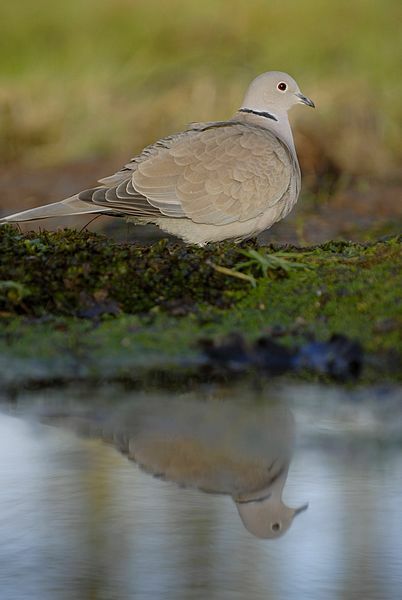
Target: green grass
{"points": [[166, 297], [109, 76]]}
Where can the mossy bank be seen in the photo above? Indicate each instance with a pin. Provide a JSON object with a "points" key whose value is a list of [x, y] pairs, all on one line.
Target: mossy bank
{"points": [[79, 303]]}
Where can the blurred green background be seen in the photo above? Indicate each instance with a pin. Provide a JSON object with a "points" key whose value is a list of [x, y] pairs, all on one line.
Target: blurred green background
{"points": [[86, 84], [92, 78]]}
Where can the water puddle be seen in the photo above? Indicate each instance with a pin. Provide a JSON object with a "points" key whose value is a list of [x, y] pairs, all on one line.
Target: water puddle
{"points": [[106, 494]]}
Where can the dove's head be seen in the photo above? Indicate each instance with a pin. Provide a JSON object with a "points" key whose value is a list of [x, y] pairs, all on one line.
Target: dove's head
{"points": [[274, 92], [267, 517], [263, 513]]}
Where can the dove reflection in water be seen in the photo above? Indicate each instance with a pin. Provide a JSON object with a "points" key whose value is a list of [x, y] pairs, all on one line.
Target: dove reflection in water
{"points": [[235, 448]]}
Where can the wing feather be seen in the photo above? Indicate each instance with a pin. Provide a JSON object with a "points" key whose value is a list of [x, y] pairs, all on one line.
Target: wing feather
{"points": [[215, 174]]}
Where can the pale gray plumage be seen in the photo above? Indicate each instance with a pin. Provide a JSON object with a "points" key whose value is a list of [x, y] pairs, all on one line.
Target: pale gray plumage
{"points": [[221, 180]]}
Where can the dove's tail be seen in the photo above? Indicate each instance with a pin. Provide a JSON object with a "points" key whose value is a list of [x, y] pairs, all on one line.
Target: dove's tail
{"points": [[66, 208]]}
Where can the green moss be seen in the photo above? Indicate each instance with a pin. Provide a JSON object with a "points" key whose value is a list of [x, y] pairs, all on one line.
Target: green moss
{"points": [[67, 272], [148, 306]]}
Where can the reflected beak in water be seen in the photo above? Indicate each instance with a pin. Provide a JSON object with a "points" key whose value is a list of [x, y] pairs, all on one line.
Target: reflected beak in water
{"points": [[300, 509], [305, 100]]}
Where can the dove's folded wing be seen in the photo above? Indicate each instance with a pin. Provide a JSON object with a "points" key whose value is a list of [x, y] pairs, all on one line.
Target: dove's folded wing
{"points": [[218, 174]]}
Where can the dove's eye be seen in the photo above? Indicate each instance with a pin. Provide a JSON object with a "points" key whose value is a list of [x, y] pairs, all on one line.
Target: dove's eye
{"points": [[275, 527], [282, 87]]}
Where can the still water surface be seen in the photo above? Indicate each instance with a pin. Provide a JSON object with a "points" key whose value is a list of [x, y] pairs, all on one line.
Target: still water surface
{"points": [[79, 520]]}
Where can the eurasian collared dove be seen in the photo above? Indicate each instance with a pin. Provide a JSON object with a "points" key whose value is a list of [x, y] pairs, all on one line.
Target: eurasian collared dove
{"points": [[235, 448], [215, 181]]}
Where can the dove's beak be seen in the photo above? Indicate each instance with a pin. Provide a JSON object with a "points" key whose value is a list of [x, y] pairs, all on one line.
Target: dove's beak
{"points": [[301, 509], [305, 100]]}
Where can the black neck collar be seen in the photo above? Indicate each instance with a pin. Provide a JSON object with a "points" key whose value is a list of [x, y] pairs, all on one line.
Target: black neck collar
{"points": [[259, 113], [261, 499]]}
